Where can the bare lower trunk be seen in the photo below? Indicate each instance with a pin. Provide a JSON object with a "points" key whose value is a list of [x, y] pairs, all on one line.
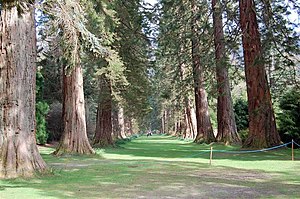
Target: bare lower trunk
{"points": [[118, 124], [74, 139], [204, 127], [103, 134], [128, 127], [121, 123], [227, 131], [189, 118], [262, 126], [163, 126], [18, 150]]}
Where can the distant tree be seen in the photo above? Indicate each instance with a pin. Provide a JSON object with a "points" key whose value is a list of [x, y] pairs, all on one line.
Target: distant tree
{"points": [[19, 153], [103, 134], [262, 126]]}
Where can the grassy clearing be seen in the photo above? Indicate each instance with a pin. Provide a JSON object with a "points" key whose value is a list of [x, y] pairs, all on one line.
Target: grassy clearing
{"points": [[162, 167]]}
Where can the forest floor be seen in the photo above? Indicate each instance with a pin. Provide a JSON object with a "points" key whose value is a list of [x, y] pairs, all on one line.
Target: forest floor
{"points": [[162, 167]]}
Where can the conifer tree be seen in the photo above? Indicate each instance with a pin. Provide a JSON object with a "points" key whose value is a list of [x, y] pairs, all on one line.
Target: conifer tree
{"points": [[262, 126], [227, 131], [18, 150]]}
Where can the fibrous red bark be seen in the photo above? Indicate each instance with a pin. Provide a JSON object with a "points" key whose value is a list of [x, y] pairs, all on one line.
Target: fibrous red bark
{"points": [[204, 126], [74, 139], [262, 126], [227, 131], [18, 150], [103, 134]]}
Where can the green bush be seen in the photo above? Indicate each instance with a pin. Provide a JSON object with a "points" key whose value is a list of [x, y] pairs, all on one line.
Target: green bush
{"points": [[288, 119], [241, 114], [42, 109]]}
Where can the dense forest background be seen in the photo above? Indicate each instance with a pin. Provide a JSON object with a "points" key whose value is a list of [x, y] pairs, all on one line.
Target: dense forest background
{"points": [[211, 71]]}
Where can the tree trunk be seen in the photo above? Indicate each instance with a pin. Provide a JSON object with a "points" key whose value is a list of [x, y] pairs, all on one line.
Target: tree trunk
{"points": [[204, 127], [103, 134], [262, 126], [128, 126], [227, 131], [189, 118], [120, 124], [19, 153], [74, 139], [163, 123]]}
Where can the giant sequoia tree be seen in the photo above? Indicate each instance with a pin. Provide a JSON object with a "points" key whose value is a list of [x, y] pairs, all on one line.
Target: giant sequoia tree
{"points": [[204, 126], [19, 153], [74, 37], [227, 131], [262, 126], [103, 134]]}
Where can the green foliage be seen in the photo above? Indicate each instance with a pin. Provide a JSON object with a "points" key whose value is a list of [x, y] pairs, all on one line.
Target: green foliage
{"points": [[241, 114], [42, 109], [289, 117], [68, 17]]}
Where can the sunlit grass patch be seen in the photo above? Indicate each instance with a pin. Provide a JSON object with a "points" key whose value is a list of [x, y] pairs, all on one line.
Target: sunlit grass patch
{"points": [[162, 167]]}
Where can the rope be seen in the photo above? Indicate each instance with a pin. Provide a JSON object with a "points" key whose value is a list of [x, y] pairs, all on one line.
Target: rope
{"points": [[296, 143], [190, 156], [254, 151], [242, 152]]}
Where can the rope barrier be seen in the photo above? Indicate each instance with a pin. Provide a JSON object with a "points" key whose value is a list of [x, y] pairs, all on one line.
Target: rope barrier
{"points": [[296, 143], [254, 151], [242, 152], [190, 156]]}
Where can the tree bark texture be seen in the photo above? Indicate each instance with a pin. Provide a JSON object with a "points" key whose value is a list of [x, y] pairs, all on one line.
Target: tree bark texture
{"points": [[227, 131], [18, 150], [118, 123], [74, 139], [262, 126], [103, 135], [204, 127], [189, 119]]}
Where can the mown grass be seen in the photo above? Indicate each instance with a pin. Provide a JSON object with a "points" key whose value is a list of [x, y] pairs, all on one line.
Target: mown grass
{"points": [[162, 167]]}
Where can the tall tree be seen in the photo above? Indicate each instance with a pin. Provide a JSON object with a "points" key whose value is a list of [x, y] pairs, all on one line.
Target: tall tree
{"points": [[109, 71], [74, 138], [133, 47], [204, 126], [69, 19], [227, 131], [19, 153], [103, 134], [262, 126]]}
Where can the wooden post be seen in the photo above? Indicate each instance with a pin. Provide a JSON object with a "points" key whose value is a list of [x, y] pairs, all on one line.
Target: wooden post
{"points": [[292, 150], [211, 155]]}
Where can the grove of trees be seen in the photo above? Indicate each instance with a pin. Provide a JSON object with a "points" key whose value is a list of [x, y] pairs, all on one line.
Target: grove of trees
{"points": [[87, 73]]}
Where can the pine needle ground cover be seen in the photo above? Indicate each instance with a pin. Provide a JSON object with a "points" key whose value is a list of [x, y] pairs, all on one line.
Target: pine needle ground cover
{"points": [[163, 167]]}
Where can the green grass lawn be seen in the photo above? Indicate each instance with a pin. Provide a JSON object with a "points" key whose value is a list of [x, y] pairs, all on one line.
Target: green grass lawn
{"points": [[163, 167]]}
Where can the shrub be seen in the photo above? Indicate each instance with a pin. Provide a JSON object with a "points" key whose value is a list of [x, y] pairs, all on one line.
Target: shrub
{"points": [[42, 109], [288, 119], [241, 114], [55, 121]]}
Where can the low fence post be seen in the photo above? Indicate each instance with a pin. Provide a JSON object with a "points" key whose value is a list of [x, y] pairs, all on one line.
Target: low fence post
{"points": [[292, 150], [211, 155]]}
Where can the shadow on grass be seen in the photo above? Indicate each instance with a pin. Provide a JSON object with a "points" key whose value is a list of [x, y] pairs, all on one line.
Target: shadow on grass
{"points": [[157, 167], [152, 179], [170, 147]]}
